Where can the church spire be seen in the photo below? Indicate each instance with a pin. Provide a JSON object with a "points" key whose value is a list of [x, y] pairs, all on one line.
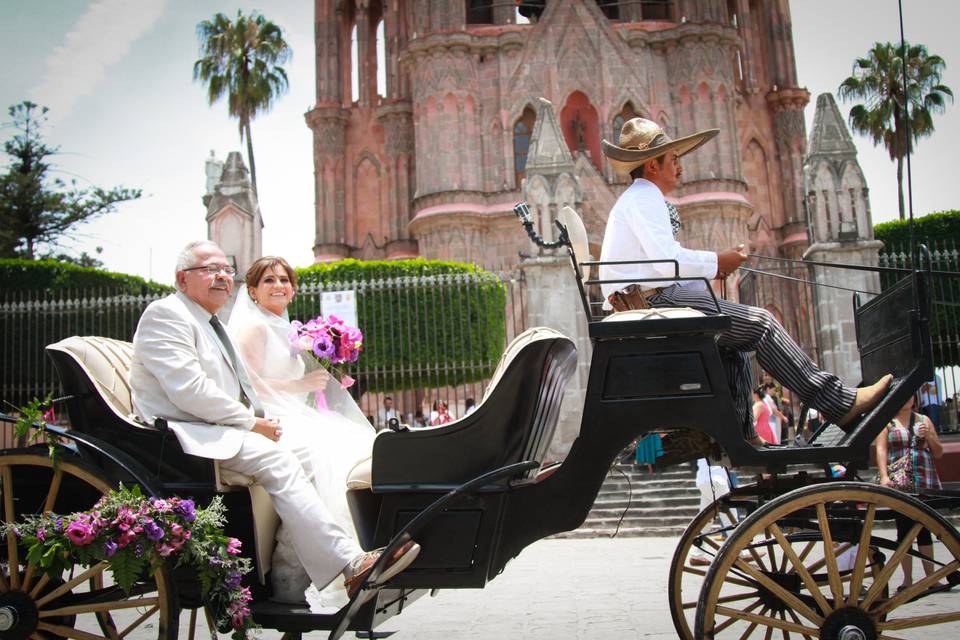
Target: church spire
{"points": [[829, 136]]}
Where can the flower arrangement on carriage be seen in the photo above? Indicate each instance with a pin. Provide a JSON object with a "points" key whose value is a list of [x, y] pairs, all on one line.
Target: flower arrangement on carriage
{"points": [[136, 535]]}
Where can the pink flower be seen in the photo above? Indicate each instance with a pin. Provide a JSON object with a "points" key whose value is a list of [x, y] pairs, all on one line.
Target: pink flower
{"points": [[162, 506], [233, 547], [81, 532], [346, 382]]}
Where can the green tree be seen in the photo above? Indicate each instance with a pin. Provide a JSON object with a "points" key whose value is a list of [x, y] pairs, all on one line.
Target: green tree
{"points": [[887, 109], [37, 209], [241, 59]]}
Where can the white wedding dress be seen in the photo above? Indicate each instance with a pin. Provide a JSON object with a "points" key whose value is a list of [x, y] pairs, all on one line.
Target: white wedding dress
{"points": [[337, 435]]}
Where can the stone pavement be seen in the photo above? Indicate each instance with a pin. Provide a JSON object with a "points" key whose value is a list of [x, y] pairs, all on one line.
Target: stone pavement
{"points": [[562, 589]]}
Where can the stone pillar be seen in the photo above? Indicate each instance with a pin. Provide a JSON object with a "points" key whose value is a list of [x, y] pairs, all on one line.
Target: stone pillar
{"points": [[790, 134], [835, 326], [329, 126], [397, 121], [553, 300]]}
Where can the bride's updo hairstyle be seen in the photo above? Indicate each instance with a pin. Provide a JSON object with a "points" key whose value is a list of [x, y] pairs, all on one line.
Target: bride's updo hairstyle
{"points": [[264, 264]]}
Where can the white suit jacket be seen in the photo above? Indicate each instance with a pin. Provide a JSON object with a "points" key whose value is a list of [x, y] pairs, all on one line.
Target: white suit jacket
{"points": [[181, 372]]}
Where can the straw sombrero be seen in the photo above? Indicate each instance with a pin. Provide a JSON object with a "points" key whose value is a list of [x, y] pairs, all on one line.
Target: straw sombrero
{"points": [[643, 140]]}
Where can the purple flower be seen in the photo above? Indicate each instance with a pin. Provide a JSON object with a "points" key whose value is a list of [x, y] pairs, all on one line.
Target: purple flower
{"points": [[188, 509], [59, 524], [41, 534], [138, 550], [153, 531], [232, 581], [323, 347], [109, 548]]}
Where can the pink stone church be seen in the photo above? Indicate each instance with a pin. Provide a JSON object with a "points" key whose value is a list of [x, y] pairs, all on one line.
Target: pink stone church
{"points": [[425, 111]]}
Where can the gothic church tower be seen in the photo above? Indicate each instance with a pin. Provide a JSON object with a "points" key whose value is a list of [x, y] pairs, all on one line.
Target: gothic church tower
{"points": [[427, 154]]}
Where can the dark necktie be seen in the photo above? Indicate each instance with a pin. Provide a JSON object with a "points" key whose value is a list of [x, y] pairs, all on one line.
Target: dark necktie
{"points": [[247, 395], [674, 218]]}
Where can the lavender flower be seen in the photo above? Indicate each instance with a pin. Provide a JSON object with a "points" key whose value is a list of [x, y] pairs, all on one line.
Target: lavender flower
{"points": [[153, 531], [109, 548]]}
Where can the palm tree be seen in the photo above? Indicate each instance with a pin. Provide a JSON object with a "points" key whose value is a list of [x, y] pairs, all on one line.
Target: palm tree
{"points": [[885, 114], [241, 59]]}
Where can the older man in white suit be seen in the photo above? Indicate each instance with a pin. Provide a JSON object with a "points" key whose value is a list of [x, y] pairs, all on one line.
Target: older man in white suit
{"points": [[186, 370]]}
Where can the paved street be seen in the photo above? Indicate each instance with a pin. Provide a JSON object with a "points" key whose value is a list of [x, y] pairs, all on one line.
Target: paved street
{"points": [[576, 589]]}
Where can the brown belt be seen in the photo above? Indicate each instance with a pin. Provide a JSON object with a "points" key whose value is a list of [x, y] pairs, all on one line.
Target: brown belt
{"points": [[632, 297]]}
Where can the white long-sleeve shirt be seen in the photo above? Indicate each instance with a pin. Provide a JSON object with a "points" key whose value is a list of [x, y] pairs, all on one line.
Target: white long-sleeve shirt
{"points": [[639, 229]]}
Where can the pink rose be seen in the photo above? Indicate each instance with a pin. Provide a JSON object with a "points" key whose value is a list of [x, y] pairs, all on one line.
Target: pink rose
{"points": [[80, 532]]}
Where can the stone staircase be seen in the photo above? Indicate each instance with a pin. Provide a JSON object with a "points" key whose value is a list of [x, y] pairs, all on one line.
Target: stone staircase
{"points": [[662, 503]]}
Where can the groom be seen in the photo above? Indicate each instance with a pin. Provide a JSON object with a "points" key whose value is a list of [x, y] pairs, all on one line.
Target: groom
{"points": [[186, 370]]}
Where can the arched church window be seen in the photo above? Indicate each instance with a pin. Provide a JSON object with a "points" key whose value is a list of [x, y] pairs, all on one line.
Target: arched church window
{"points": [[522, 130], [625, 114], [480, 11], [531, 9], [657, 9], [610, 8], [381, 61]]}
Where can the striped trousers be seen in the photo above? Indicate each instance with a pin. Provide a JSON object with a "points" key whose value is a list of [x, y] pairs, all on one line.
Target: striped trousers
{"points": [[755, 329]]}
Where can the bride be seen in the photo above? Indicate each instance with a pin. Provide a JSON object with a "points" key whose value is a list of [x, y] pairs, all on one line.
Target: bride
{"points": [[332, 425]]}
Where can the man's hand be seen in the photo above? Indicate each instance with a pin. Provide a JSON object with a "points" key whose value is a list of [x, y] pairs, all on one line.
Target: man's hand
{"points": [[269, 428], [730, 260]]}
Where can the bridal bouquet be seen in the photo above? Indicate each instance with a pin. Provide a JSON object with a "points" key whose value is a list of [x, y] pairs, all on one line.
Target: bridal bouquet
{"points": [[330, 341]]}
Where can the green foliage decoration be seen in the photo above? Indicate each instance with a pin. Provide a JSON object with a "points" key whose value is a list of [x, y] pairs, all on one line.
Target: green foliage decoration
{"points": [[426, 323]]}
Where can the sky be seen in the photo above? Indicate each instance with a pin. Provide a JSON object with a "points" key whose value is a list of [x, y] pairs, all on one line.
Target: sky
{"points": [[117, 76]]}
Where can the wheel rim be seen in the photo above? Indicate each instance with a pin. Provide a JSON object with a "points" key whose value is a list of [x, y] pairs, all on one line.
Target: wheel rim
{"points": [[83, 603], [686, 577], [828, 569]]}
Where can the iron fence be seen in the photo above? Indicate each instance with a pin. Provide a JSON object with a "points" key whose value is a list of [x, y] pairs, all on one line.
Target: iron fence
{"points": [[414, 356], [944, 324]]}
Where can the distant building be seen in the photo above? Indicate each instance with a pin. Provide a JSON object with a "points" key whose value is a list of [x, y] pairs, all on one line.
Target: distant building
{"points": [[431, 160]]}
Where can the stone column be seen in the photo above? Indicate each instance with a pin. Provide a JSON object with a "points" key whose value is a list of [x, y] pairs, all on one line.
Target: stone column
{"points": [[553, 300], [397, 121], [835, 326], [329, 126], [790, 134], [365, 83]]}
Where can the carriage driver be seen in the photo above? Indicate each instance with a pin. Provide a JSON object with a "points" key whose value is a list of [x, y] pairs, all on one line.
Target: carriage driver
{"points": [[185, 369], [643, 226]]}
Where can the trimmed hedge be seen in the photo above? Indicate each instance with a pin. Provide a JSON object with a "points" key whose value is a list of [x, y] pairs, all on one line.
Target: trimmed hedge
{"points": [[943, 225], [52, 275], [426, 323]]}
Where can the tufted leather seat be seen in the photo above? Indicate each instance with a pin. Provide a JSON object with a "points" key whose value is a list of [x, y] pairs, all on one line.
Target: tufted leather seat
{"points": [[105, 363]]}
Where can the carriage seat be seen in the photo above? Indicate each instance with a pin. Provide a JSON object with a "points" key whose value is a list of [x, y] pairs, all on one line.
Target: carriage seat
{"points": [[657, 313], [360, 476], [514, 421], [95, 375]]}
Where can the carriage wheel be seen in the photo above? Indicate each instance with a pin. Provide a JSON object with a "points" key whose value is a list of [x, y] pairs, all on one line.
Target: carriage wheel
{"points": [[83, 603], [831, 553], [698, 546]]}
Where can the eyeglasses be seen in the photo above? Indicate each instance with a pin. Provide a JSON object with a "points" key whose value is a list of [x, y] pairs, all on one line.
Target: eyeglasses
{"points": [[214, 269]]}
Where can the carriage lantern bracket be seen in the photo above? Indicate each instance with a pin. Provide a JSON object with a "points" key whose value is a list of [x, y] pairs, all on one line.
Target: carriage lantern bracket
{"points": [[523, 213]]}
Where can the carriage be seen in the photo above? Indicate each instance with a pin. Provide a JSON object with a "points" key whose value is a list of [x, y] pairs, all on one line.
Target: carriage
{"points": [[796, 551]]}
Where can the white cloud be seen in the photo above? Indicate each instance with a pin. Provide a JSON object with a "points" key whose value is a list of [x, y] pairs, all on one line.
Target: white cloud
{"points": [[99, 39]]}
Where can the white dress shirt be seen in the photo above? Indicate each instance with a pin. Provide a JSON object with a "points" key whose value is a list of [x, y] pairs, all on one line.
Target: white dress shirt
{"points": [[639, 229]]}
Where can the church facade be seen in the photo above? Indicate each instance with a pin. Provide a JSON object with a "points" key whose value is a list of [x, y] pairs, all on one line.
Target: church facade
{"points": [[425, 110]]}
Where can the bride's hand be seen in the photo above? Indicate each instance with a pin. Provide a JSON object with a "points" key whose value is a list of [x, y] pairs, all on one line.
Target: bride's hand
{"points": [[317, 378]]}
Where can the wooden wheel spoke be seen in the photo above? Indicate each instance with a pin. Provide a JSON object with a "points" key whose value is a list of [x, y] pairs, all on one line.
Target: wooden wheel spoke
{"points": [[884, 576], [798, 565], [767, 621], [860, 562], [806, 550], [732, 621], [833, 572], [916, 588], [98, 606], [920, 621], [709, 541], [136, 623], [10, 516], [36, 635], [696, 572], [69, 632], [789, 598], [70, 584], [796, 619], [41, 583], [54, 491], [193, 624]]}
